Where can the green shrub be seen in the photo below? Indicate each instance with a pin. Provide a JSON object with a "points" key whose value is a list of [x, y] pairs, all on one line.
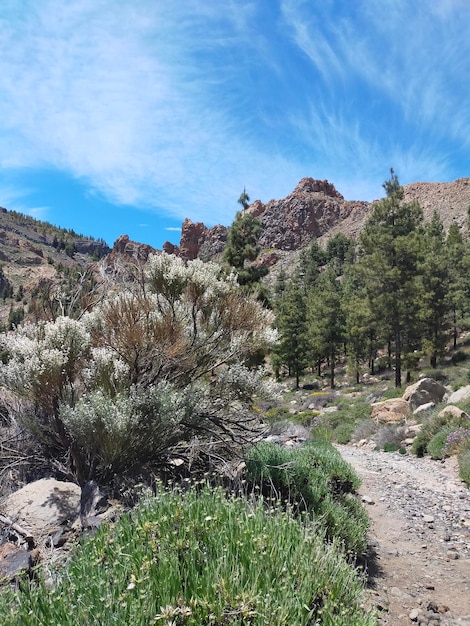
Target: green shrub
{"points": [[437, 445], [431, 427], [364, 429], [459, 357], [389, 438], [277, 414], [343, 432], [313, 478], [393, 392], [464, 466], [197, 558]]}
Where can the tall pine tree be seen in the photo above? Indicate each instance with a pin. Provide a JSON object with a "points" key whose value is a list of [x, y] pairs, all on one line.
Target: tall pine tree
{"points": [[390, 245]]}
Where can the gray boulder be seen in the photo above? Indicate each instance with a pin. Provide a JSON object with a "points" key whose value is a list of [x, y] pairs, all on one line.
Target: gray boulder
{"points": [[461, 394], [43, 506], [424, 391]]}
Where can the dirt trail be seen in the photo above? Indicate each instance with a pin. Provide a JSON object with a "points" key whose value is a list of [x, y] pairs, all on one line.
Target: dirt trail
{"points": [[420, 537]]}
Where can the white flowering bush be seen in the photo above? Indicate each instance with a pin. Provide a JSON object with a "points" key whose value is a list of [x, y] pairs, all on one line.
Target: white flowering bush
{"points": [[155, 363]]}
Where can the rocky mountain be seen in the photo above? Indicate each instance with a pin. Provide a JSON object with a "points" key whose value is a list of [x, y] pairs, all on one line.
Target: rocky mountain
{"points": [[316, 210], [36, 258]]}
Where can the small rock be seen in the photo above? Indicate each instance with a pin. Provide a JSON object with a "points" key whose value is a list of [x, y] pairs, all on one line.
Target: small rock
{"points": [[414, 614], [452, 555], [429, 519], [367, 500], [13, 561]]}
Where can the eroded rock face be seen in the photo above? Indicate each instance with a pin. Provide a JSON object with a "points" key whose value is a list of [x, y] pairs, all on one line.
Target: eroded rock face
{"points": [[310, 211], [198, 241], [450, 200], [140, 251], [316, 210]]}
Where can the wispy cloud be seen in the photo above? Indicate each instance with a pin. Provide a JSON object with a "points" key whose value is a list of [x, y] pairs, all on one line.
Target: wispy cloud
{"points": [[175, 107], [116, 94], [407, 58]]}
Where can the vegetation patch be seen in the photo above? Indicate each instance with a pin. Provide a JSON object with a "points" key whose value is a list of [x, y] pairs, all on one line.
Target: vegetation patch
{"points": [[198, 557], [315, 479]]}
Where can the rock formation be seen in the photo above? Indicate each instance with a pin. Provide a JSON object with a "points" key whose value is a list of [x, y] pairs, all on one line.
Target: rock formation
{"points": [[316, 210]]}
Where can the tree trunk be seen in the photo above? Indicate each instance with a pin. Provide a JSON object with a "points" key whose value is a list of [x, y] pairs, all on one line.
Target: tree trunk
{"points": [[397, 355], [455, 328]]}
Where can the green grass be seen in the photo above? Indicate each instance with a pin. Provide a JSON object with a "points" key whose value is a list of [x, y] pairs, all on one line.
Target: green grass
{"points": [[313, 478], [197, 558]]}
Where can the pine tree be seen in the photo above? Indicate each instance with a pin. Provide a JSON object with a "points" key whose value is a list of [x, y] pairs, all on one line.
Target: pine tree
{"points": [[390, 245], [458, 260], [242, 248], [291, 321], [434, 271], [325, 320]]}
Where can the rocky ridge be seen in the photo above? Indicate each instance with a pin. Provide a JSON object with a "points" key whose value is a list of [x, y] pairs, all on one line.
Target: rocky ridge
{"points": [[315, 210]]}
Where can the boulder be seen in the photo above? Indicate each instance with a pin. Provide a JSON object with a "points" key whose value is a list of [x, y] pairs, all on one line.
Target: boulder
{"points": [[424, 407], [424, 391], [453, 411], [392, 411], [43, 506], [461, 394], [13, 561]]}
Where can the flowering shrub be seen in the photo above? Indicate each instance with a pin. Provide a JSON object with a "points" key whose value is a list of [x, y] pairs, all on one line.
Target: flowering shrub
{"points": [[457, 440], [154, 363]]}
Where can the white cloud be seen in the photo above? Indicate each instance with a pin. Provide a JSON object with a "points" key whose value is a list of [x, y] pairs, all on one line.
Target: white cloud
{"points": [[111, 93], [155, 104]]}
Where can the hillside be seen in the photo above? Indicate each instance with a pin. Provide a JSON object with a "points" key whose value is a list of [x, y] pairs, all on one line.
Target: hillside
{"points": [[37, 255]]}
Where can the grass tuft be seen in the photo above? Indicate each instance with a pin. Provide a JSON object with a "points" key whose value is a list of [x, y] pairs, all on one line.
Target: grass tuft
{"points": [[198, 557]]}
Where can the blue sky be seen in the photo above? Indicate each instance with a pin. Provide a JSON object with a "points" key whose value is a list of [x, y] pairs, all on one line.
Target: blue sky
{"points": [[126, 116]]}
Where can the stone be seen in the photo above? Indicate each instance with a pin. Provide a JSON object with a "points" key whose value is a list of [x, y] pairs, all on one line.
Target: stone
{"points": [[367, 500], [392, 411], [461, 394], [452, 411], [42, 506], [414, 614], [413, 429], [424, 407], [424, 391], [13, 561], [429, 519], [453, 555]]}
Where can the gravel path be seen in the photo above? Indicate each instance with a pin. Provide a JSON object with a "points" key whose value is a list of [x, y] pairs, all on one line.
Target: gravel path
{"points": [[419, 565]]}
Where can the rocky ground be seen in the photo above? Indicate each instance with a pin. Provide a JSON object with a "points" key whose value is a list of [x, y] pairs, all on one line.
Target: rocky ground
{"points": [[419, 562]]}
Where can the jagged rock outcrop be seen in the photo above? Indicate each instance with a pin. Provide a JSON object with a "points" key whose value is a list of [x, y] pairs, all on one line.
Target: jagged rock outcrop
{"points": [[310, 211], [316, 210], [140, 251], [198, 241]]}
